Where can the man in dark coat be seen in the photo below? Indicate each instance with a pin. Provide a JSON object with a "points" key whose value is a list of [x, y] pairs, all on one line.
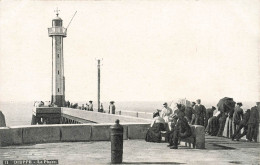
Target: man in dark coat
{"points": [[242, 124], [180, 127], [238, 115], [225, 105], [252, 124], [200, 112], [209, 114], [189, 111]]}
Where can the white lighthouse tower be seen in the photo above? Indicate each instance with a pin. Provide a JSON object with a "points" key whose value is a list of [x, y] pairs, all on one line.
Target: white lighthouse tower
{"points": [[57, 32]]}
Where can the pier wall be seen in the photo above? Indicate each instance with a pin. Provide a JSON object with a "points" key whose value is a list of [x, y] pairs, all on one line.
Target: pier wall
{"points": [[33, 134], [141, 115], [98, 117]]}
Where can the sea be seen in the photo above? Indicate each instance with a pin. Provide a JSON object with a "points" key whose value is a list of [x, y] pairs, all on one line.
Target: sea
{"points": [[20, 113]]}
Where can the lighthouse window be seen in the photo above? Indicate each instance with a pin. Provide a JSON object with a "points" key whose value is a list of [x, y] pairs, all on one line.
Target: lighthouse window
{"points": [[58, 89]]}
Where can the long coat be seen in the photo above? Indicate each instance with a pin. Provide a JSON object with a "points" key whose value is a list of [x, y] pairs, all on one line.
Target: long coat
{"points": [[112, 109], [200, 113], [238, 115]]}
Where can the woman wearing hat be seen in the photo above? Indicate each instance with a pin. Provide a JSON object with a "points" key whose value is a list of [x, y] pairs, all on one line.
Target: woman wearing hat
{"points": [[154, 132]]}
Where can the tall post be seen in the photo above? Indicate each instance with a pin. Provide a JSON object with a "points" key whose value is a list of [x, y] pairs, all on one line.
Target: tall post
{"points": [[98, 66]]}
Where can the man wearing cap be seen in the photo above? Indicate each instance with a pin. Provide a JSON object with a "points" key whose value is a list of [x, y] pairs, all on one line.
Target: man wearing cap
{"points": [[200, 112], [209, 114], [180, 128], [166, 112], [112, 107], [90, 106], [238, 115]]}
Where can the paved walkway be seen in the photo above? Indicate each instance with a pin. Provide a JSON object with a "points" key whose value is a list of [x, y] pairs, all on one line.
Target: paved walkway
{"points": [[218, 151]]}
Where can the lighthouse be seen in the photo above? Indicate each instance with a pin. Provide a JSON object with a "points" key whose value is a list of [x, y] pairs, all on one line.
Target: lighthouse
{"points": [[57, 32]]}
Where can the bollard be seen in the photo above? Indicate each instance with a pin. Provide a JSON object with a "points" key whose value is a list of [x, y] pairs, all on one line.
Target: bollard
{"points": [[116, 142]]}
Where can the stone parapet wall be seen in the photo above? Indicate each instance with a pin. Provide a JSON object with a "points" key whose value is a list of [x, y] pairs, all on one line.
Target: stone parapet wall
{"points": [[19, 135]]}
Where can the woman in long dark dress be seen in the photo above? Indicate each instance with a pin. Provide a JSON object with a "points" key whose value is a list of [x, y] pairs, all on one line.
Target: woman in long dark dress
{"points": [[154, 132]]}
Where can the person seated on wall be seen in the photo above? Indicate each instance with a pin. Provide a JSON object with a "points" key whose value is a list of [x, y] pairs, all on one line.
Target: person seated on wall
{"points": [[180, 128], [154, 132], [166, 112]]}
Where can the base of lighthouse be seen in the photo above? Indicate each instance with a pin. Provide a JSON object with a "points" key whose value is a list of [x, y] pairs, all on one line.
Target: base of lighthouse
{"points": [[58, 100]]}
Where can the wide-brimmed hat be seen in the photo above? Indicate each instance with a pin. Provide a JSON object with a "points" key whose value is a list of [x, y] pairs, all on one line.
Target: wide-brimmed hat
{"points": [[156, 114], [90, 101], [112, 102], [213, 107], [165, 103]]}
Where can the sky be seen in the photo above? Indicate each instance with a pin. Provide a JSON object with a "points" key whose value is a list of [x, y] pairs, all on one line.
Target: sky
{"points": [[151, 50]]}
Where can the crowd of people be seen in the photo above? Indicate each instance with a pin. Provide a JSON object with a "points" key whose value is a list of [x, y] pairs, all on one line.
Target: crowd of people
{"points": [[227, 120], [89, 107]]}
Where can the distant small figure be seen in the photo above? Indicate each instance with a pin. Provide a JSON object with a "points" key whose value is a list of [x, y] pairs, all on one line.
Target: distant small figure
{"points": [[101, 108], [82, 107], [71, 104], [68, 103], [86, 108], [2, 120], [41, 104], [90, 106], [112, 107]]}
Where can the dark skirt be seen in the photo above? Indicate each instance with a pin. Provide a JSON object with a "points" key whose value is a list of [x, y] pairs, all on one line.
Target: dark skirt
{"points": [[213, 126], [154, 133]]}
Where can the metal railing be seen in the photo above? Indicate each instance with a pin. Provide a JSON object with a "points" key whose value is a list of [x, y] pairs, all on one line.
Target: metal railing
{"points": [[57, 31]]}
